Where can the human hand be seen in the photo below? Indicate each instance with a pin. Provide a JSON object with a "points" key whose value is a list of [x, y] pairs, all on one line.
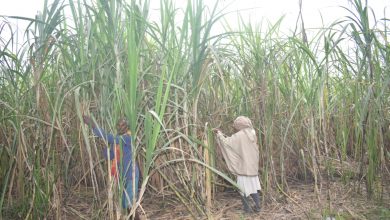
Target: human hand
{"points": [[88, 121], [216, 130]]}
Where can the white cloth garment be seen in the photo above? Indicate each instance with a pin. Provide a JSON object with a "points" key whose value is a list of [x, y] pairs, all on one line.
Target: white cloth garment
{"points": [[241, 154], [248, 184], [240, 151]]}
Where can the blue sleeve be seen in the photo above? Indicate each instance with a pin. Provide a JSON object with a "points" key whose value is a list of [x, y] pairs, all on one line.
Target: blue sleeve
{"points": [[110, 140], [125, 140], [105, 153], [106, 136]]}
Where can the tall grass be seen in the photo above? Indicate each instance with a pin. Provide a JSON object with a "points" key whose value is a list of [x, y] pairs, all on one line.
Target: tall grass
{"points": [[313, 101]]}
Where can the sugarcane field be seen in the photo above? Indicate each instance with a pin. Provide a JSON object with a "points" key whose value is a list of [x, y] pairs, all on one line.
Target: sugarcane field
{"points": [[197, 109]]}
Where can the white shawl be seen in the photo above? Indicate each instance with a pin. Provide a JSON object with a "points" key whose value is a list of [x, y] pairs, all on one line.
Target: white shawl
{"points": [[241, 151]]}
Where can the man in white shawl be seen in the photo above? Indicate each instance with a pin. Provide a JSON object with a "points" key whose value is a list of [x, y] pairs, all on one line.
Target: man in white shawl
{"points": [[241, 154]]}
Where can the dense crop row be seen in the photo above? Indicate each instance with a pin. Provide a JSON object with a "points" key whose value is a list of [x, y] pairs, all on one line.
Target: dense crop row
{"points": [[319, 105]]}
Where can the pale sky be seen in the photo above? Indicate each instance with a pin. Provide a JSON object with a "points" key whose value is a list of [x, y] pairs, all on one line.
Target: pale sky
{"points": [[254, 10]]}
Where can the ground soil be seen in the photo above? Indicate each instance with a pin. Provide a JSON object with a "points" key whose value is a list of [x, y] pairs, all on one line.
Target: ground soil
{"points": [[298, 202]]}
